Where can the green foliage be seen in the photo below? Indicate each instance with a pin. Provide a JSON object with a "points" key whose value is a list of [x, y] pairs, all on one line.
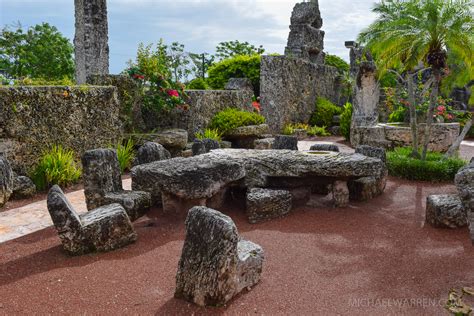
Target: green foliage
{"points": [[154, 70], [225, 50], [289, 129], [39, 52], [388, 80], [209, 134], [201, 62], [57, 166], [345, 121], [27, 81], [125, 154], [435, 168], [197, 84], [241, 66], [324, 112], [231, 118], [336, 61], [398, 115]]}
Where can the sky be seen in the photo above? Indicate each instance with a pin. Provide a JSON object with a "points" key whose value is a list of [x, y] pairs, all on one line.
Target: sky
{"points": [[198, 24]]}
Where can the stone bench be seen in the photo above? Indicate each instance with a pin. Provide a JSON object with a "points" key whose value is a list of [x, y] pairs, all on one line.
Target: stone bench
{"points": [[102, 229], [215, 264]]}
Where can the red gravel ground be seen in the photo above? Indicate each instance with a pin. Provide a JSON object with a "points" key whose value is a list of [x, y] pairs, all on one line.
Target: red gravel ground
{"points": [[371, 258]]}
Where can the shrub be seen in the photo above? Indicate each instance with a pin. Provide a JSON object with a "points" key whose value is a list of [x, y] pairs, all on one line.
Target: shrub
{"points": [[125, 154], [289, 129], [398, 115], [345, 121], [324, 112], [336, 61], [57, 166], [231, 118], [236, 67], [197, 84], [209, 134], [435, 168], [317, 131]]}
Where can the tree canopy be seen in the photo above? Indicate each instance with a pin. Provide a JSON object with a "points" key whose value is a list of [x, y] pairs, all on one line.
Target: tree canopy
{"points": [[39, 52]]}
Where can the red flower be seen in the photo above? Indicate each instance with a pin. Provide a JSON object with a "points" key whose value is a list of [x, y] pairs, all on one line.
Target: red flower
{"points": [[256, 105], [441, 108], [172, 93]]}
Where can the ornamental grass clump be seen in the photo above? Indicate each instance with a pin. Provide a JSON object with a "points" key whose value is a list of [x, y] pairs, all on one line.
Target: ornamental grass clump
{"points": [[232, 118], [125, 154], [57, 166], [209, 134], [435, 168]]}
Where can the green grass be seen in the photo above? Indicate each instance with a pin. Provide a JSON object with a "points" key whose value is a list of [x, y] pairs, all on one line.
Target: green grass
{"points": [[57, 166], [125, 154], [434, 169], [209, 134]]}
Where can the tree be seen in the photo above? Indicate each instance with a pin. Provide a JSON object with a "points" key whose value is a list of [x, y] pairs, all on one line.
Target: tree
{"points": [[40, 52], [229, 49], [201, 62], [179, 62], [413, 31]]}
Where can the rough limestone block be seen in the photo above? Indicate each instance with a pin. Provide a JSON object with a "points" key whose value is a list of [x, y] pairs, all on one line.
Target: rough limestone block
{"points": [[239, 84], [245, 136], [102, 229], [103, 184], [150, 152], [324, 147], [204, 146], [264, 143], [23, 187], [445, 211], [285, 142], [464, 181], [215, 264], [265, 204], [366, 188], [340, 194], [6, 180], [374, 152]]}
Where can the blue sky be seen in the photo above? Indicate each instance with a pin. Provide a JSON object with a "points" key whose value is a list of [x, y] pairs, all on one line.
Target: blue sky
{"points": [[199, 24]]}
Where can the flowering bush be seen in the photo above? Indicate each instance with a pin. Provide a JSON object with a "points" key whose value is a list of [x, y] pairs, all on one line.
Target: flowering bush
{"points": [[152, 71]]}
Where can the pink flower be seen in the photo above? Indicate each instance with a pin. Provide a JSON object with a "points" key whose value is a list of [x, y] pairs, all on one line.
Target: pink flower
{"points": [[441, 108], [172, 93]]}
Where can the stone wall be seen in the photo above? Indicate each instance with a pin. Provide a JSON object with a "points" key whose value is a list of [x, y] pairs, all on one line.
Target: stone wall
{"points": [[203, 105], [289, 88], [34, 118]]}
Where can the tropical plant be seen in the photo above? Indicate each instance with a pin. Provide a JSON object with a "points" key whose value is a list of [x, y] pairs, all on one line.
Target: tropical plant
{"points": [[125, 154], [225, 50], [41, 51], [56, 166], [345, 121], [324, 113], [209, 134], [290, 129], [231, 118], [408, 32], [241, 66]]}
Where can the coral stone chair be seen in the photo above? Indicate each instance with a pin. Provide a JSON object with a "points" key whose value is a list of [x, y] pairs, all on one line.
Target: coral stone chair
{"points": [[103, 184], [102, 229]]}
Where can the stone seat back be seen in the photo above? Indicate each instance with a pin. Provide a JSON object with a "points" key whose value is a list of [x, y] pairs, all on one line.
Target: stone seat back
{"points": [[215, 265], [102, 229]]}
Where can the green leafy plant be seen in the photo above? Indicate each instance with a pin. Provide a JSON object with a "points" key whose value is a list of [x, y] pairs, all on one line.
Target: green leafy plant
{"points": [[317, 131], [324, 113], [209, 134], [345, 121], [289, 129], [336, 61], [231, 118], [241, 66], [125, 154], [434, 168], [230, 49], [57, 166], [197, 84]]}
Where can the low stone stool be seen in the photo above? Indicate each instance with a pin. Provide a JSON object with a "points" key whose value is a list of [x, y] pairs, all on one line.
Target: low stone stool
{"points": [[215, 263], [265, 204], [102, 229], [445, 211], [264, 143], [150, 152], [103, 184], [23, 187], [324, 147], [464, 181], [6, 180], [285, 142]]}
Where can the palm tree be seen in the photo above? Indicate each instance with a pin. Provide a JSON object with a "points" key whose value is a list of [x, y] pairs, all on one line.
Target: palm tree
{"points": [[407, 32]]}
